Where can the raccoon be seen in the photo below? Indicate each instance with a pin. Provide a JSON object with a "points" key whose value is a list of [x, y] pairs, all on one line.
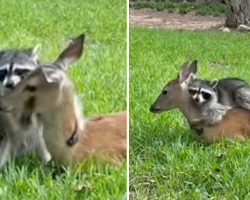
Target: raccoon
{"points": [[21, 131], [232, 92], [205, 94]]}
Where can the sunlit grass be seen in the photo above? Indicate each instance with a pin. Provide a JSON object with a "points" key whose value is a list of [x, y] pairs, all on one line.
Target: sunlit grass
{"points": [[167, 161], [100, 79]]}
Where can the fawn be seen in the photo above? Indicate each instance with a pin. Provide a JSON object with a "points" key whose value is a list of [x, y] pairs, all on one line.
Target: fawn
{"points": [[49, 92], [235, 124]]}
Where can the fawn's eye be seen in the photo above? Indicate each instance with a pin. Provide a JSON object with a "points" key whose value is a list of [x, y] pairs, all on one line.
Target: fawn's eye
{"points": [[206, 95], [192, 91], [31, 88], [164, 92]]}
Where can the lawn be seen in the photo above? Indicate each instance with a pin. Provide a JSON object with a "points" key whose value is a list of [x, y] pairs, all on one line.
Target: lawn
{"points": [[167, 161], [100, 79]]}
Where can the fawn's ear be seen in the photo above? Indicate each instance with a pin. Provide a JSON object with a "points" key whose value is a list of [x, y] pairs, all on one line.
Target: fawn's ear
{"points": [[71, 53], [187, 70], [193, 67], [50, 75], [42, 75], [213, 83], [2, 52], [190, 79]]}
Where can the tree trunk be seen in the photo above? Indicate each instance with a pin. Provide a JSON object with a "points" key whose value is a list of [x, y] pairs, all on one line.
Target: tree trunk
{"points": [[238, 13]]}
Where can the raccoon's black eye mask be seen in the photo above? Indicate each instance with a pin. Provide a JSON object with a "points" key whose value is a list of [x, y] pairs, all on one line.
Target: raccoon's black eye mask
{"points": [[3, 73], [21, 72], [192, 91], [205, 95]]}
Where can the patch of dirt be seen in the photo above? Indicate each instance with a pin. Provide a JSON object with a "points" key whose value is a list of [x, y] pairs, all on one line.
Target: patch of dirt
{"points": [[164, 19]]}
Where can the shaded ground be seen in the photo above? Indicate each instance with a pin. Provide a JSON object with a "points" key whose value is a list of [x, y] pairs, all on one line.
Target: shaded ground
{"points": [[164, 19]]}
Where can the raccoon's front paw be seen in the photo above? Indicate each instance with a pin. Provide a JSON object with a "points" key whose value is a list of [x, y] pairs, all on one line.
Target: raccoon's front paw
{"points": [[216, 120], [46, 157]]}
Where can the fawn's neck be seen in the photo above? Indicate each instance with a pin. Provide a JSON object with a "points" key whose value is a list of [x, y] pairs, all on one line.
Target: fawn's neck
{"points": [[61, 122], [189, 109]]}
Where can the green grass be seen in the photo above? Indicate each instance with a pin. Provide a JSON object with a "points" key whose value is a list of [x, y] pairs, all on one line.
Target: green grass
{"points": [[100, 79], [214, 9], [167, 161]]}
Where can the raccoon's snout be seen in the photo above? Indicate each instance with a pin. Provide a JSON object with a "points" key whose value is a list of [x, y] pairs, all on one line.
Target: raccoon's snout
{"points": [[197, 99], [10, 84]]}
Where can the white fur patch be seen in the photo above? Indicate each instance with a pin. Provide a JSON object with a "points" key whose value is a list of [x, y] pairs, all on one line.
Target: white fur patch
{"points": [[27, 67], [184, 85], [6, 66], [78, 112], [13, 78]]}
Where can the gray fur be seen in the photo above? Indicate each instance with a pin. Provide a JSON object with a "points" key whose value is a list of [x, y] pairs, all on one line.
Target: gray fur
{"points": [[231, 92], [242, 97], [15, 64], [234, 92], [226, 94], [20, 137], [212, 111]]}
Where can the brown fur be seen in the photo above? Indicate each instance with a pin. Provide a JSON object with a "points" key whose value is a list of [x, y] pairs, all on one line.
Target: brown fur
{"points": [[103, 136], [235, 124]]}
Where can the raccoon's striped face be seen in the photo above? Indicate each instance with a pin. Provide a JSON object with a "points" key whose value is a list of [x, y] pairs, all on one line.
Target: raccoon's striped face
{"points": [[16, 65], [199, 95], [12, 74], [202, 91]]}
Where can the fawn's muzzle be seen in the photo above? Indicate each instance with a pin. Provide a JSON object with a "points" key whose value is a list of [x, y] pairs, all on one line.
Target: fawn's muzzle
{"points": [[154, 109]]}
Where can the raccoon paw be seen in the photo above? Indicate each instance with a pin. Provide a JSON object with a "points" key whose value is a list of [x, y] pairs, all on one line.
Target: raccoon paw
{"points": [[46, 157], [217, 119]]}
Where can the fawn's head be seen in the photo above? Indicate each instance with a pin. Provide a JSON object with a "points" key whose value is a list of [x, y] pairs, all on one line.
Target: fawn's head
{"points": [[175, 91], [42, 88]]}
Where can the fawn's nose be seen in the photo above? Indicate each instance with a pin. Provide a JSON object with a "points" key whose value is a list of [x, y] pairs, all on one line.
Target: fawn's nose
{"points": [[154, 109]]}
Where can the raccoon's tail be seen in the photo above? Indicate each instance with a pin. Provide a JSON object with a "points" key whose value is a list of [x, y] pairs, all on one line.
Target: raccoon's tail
{"points": [[242, 97]]}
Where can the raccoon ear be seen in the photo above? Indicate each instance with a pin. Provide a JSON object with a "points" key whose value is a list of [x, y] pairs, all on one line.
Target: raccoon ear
{"points": [[187, 70], [36, 51], [213, 83], [71, 53], [33, 53], [1, 53]]}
